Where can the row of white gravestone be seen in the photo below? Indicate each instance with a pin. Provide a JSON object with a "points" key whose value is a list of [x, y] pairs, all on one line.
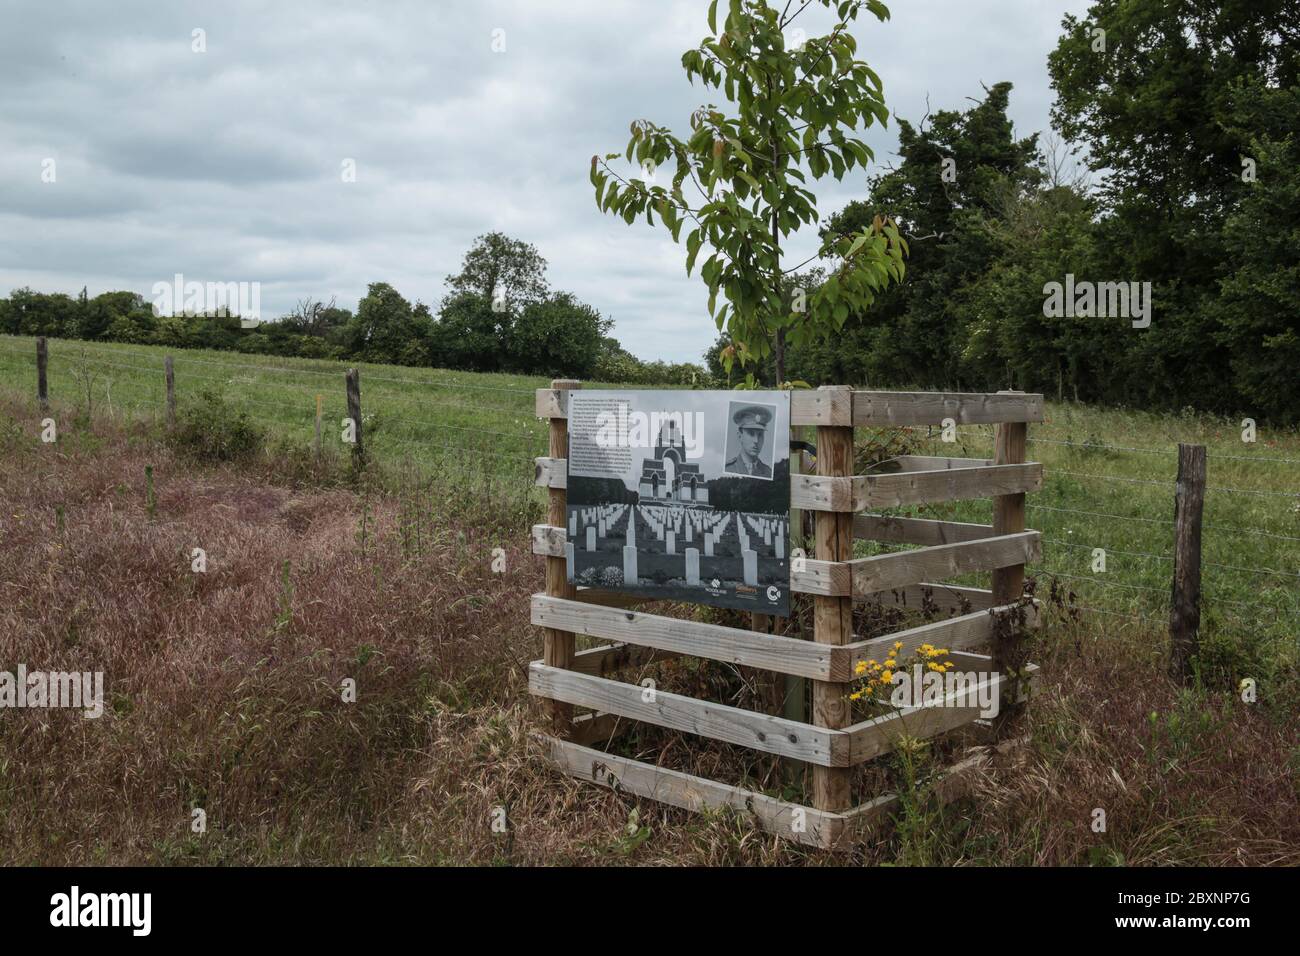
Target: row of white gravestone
{"points": [[666, 524], [771, 530], [596, 522], [670, 523]]}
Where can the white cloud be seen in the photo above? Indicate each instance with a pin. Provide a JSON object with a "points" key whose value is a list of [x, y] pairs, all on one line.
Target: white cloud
{"points": [[225, 164]]}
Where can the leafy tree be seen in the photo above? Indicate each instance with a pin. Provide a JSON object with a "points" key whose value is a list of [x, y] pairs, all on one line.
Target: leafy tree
{"points": [[794, 103], [469, 335], [507, 272], [386, 329], [1159, 99], [958, 172], [557, 336], [1260, 296]]}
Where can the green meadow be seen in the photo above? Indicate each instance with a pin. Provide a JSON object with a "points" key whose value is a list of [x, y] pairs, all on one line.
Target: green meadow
{"points": [[1109, 471]]}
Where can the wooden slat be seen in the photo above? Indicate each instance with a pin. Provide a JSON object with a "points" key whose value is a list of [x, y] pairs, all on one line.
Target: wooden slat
{"points": [[1009, 447], [917, 530], [821, 407], [677, 789], [824, 578], [927, 463], [603, 661], [552, 472], [805, 825], [785, 655], [941, 561], [552, 403], [878, 735], [948, 484], [558, 647], [945, 597], [983, 663], [961, 633], [549, 540], [786, 738], [822, 493], [807, 407], [931, 408]]}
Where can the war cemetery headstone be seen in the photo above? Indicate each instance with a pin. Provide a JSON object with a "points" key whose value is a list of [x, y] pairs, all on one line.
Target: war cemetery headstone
{"points": [[681, 495]]}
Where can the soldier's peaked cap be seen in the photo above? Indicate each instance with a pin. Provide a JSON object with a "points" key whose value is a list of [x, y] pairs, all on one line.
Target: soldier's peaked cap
{"points": [[752, 416]]}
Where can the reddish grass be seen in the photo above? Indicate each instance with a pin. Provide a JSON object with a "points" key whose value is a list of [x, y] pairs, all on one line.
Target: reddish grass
{"points": [[223, 692]]}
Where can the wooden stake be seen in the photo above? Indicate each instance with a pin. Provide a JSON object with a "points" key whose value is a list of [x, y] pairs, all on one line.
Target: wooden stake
{"points": [[1185, 602], [833, 616], [1009, 442], [171, 391], [558, 646], [353, 380], [42, 385], [319, 410]]}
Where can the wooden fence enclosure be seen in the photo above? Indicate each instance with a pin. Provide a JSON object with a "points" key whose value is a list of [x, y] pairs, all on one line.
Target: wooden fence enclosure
{"points": [[587, 703]]}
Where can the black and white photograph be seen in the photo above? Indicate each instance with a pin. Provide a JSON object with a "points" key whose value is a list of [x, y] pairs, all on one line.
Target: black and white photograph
{"points": [[749, 450], [683, 495]]}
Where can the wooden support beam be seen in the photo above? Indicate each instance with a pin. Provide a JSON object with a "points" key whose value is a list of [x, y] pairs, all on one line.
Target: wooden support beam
{"points": [[558, 646], [927, 463], [924, 531], [826, 493], [943, 597], [747, 728], [552, 472], [689, 792], [1009, 442], [784, 655], [833, 616], [941, 561], [820, 407], [946, 484], [550, 540], [824, 578], [931, 408], [871, 738], [954, 633]]}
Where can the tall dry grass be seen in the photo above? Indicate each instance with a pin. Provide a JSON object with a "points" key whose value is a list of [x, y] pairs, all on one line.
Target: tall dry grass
{"points": [[224, 693]]}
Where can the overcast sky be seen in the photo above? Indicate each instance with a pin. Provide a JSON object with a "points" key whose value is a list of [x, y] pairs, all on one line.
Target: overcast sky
{"points": [[226, 165]]}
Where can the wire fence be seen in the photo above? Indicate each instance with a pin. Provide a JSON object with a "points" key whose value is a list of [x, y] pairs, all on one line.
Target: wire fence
{"points": [[476, 427]]}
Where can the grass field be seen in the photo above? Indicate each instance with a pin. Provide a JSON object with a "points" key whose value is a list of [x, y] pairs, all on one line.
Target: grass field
{"points": [[1110, 472], [223, 683]]}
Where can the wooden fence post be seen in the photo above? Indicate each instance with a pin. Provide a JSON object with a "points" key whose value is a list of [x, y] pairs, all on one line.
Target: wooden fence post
{"points": [[1008, 518], [833, 616], [319, 410], [171, 391], [558, 646], [353, 379], [1185, 602], [42, 385]]}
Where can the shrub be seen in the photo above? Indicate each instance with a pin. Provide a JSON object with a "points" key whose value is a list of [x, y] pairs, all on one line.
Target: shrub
{"points": [[210, 429]]}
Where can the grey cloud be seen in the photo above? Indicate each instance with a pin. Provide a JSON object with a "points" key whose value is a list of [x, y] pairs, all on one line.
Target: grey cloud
{"points": [[226, 165]]}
